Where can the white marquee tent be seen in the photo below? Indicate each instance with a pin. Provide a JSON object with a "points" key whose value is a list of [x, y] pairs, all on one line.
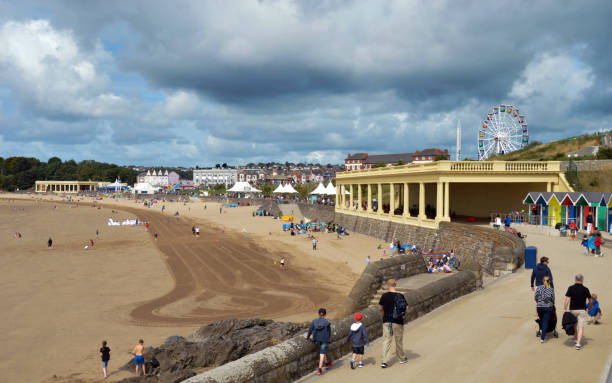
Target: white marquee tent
{"points": [[279, 189], [289, 189], [330, 189], [243, 187], [320, 190], [144, 188]]}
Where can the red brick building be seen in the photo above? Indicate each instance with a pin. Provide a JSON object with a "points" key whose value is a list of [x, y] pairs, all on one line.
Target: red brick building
{"points": [[359, 161]]}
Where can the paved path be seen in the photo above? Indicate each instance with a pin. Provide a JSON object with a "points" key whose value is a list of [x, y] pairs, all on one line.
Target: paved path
{"points": [[490, 335]]}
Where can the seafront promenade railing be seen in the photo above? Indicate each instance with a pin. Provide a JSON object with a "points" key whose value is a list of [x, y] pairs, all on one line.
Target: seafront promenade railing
{"points": [[464, 167]]}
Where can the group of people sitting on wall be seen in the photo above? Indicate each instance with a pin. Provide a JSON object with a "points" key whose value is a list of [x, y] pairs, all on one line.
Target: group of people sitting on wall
{"points": [[445, 264]]}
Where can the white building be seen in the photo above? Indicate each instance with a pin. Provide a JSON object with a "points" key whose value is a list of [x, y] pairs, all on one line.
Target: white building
{"points": [[215, 176], [155, 178]]}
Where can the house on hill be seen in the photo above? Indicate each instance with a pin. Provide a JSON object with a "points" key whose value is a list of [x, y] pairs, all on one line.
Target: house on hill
{"points": [[359, 161]]}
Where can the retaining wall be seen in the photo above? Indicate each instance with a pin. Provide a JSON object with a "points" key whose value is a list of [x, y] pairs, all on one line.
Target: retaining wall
{"points": [[587, 165], [297, 357], [497, 252]]}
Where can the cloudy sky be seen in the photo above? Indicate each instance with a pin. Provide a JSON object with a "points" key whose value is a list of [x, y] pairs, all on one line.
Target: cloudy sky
{"points": [[202, 82]]}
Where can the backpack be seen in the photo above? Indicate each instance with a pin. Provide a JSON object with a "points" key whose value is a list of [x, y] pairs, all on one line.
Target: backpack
{"points": [[399, 307]]}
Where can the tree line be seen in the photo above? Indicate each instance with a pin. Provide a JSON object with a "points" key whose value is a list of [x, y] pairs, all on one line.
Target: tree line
{"points": [[20, 173]]}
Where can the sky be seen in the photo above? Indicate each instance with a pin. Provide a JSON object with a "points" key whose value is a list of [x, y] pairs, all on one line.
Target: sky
{"points": [[186, 83]]}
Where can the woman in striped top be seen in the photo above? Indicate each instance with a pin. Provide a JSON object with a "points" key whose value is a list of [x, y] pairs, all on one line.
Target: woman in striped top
{"points": [[545, 300]]}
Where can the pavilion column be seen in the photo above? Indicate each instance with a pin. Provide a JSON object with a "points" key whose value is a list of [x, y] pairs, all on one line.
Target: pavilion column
{"points": [[379, 199], [391, 198], [352, 202], [447, 200], [406, 200], [439, 200], [359, 206], [422, 201], [370, 197], [549, 186], [78, 188]]}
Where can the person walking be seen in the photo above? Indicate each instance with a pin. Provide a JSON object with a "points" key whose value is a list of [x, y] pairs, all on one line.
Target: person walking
{"points": [[545, 303], [589, 222], [368, 260], [320, 329], [97, 233], [359, 337], [49, 243], [105, 354], [139, 354], [314, 243], [393, 306], [575, 302], [539, 272]]}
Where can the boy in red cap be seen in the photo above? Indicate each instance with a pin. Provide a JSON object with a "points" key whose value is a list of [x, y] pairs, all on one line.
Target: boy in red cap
{"points": [[359, 336]]}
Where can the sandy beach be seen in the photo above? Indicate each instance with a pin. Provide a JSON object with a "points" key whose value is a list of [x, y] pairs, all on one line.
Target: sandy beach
{"points": [[62, 302]]}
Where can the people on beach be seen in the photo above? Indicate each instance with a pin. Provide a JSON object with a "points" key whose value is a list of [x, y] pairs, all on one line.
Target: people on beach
{"points": [[539, 272], [314, 243], [91, 242], [282, 262], [155, 236], [575, 302], [545, 303], [105, 354], [589, 222], [573, 229], [97, 233], [393, 306], [49, 243], [197, 232], [598, 252], [368, 260], [358, 335], [193, 230], [320, 329], [585, 244], [507, 221], [139, 354]]}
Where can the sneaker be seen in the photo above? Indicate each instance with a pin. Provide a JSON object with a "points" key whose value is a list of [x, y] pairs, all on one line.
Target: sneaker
{"points": [[320, 371], [328, 365], [542, 341], [405, 360], [360, 365], [352, 364], [384, 365], [578, 346]]}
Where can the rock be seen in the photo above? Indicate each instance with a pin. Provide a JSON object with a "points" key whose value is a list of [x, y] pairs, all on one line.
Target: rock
{"points": [[212, 345]]}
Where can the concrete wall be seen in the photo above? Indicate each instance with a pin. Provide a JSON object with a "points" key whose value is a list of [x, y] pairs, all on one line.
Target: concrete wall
{"points": [[297, 357], [318, 212]]}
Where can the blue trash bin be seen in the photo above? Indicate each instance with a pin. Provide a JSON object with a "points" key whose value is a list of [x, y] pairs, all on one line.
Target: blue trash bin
{"points": [[531, 256]]}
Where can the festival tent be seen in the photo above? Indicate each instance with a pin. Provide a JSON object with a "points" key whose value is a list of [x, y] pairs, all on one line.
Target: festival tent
{"points": [[144, 188], [116, 186], [330, 189], [243, 187], [279, 189], [289, 189], [320, 190]]}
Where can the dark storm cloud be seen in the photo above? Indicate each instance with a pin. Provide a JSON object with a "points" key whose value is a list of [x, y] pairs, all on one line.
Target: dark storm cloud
{"points": [[267, 78]]}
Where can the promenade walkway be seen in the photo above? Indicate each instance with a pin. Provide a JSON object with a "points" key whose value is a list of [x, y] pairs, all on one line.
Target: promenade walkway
{"points": [[490, 335]]}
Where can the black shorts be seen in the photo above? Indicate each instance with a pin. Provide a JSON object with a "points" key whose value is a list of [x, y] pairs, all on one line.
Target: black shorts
{"points": [[358, 350]]}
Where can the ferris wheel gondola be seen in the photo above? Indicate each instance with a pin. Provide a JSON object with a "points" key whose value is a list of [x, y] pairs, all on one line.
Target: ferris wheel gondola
{"points": [[503, 130]]}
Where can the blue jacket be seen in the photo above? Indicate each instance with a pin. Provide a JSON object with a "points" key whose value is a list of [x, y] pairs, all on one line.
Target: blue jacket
{"points": [[359, 333], [540, 271], [320, 329], [595, 309]]}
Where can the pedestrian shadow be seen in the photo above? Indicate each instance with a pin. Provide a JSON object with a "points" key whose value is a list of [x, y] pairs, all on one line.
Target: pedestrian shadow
{"points": [[409, 356], [570, 341]]}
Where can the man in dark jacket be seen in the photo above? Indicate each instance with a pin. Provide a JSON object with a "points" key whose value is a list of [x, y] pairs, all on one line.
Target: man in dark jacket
{"points": [[541, 270], [320, 329]]}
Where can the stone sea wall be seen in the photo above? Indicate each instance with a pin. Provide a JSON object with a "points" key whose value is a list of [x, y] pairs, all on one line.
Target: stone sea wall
{"points": [[296, 357], [497, 252]]}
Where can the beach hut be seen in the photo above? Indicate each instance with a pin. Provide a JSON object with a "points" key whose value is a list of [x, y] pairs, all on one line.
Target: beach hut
{"points": [[568, 207], [542, 201], [554, 210], [593, 199]]}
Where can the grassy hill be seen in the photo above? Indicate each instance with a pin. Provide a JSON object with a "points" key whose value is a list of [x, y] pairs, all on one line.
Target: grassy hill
{"points": [[552, 151]]}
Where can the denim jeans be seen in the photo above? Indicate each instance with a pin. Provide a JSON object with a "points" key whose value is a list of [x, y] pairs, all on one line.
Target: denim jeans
{"points": [[545, 314]]}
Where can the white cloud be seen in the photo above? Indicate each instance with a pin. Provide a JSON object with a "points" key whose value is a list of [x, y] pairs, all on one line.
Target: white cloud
{"points": [[557, 81], [47, 70], [181, 104]]}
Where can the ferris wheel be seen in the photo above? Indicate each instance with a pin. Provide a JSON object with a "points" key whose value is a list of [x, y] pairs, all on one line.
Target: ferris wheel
{"points": [[503, 130]]}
